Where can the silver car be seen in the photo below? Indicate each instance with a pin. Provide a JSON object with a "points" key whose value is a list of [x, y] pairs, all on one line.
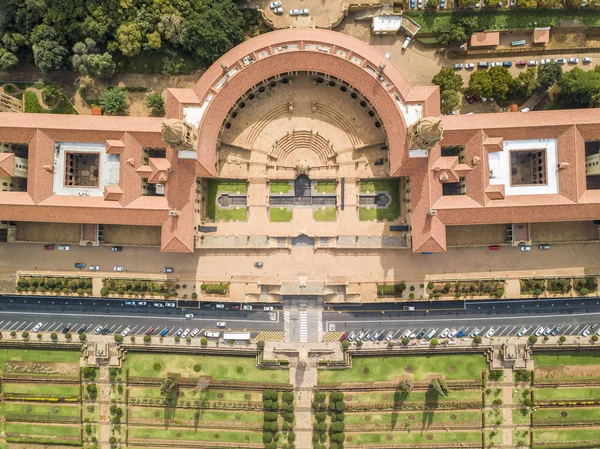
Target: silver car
{"points": [[185, 333], [522, 332], [476, 332]]}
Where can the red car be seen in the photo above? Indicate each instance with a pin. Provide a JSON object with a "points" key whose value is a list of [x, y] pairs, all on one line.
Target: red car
{"points": [[521, 63], [470, 98], [343, 337], [49, 247], [494, 247]]}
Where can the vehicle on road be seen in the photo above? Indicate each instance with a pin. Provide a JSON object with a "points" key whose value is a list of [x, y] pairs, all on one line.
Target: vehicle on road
{"points": [[522, 331], [461, 334], [406, 43], [247, 307], [445, 333], [408, 308], [98, 330], [586, 331], [221, 324], [490, 333], [82, 329], [170, 304], [560, 61], [126, 332], [507, 64], [267, 308], [555, 331], [189, 316], [66, 329], [63, 248], [119, 268], [37, 327], [476, 332], [130, 303], [117, 248], [219, 306], [164, 332], [158, 304], [494, 247], [469, 66], [49, 247], [544, 247], [421, 334], [531, 63], [390, 335], [195, 332], [185, 333], [94, 268], [79, 265], [586, 60], [168, 270], [452, 333], [457, 66], [526, 248], [520, 63], [573, 60]]}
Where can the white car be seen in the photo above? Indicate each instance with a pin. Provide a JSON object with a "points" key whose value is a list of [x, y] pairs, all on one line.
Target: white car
{"points": [[94, 268], [221, 324], [406, 43], [189, 316], [547, 330], [185, 333], [195, 332], [560, 61], [525, 248], [278, 11], [476, 332], [573, 60], [170, 304], [586, 60], [360, 336], [470, 65], [375, 336], [452, 333], [295, 12], [445, 333], [352, 336], [98, 330], [119, 269], [304, 12], [531, 63], [63, 248], [496, 64], [522, 331], [126, 331], [490, 333], [545, 61], [539, 331], [247, 308], [406, 333], [598, 332], [586, 331], [275, 4], [390, 335], [37, 327], [267, 308]]}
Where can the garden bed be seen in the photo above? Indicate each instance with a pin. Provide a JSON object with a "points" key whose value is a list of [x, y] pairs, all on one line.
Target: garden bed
{"points": [[58, 285]]}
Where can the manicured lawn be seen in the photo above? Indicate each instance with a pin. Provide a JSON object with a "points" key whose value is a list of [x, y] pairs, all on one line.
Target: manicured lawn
{"points": [[414, 437], [155, 61], [20, 409], [587, 414], [325, 186], [379, 185], [215, 186], [46, 429], [392, 211], [564, 394], [280, 187], [38, 356], [399, 419], [521, 437], [280, 214], [380, 369], [41, 389], [182, 414], [325, 214], [238, 436], [219, 368], [435, 21], [519, 395], [415, 396], [566, 358], [521, 417], [550, 435]]}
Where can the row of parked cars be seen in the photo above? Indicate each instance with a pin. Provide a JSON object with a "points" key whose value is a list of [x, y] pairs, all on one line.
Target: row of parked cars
{"points": [[520, 63], [278, 9], [419, 4]]}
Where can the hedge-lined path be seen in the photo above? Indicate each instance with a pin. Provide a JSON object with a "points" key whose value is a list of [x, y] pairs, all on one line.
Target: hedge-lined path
{"points": [[303, 375]]}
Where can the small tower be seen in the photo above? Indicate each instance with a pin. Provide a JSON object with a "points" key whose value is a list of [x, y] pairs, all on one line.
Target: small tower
{"points": [[425, 133], [179, 135]]}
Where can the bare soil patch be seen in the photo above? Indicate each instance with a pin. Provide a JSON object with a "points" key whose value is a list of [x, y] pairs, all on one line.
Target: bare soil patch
{"points": [[389, 437], [366, 370], [429, 437], [452, 368], [19, 367], [409, 369], [348, 439], [567, 372], [348, 397]]}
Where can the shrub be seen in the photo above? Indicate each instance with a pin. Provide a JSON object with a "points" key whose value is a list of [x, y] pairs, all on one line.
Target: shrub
{"points": [[177, 338], [88, 291], [114, 101], [434, 342], [203, 341], [260, 345], [155, 101], [532, 339], [25, 335], [346, 344], [68, 335], [82, 337], [157, 366], [584, 291], [80, 291], [147, 338], [411, 296], [197, 367], [104, 291], [188, 339], [499, 293], [112, 440], [13, 334], [430, 286], [194, 295], [477, 339], [528, 402], [497, 401], [390, 344], [118, 338], [594, 337], [405, 341], [53, 336], [563, 338]]}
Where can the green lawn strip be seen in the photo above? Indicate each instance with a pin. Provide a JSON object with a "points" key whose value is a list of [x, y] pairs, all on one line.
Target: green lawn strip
{"points": [[519, 395], [493, 438], [389, 368], [239, 213], [280, 214], [546, 415], [325, 186], [214, 211], [521, 437], [41, 389], [566, 435], [566, 358], [183, 414], [46, 429], [280, 187], [38, 356], [412, 417], [237, 436], [91, 413], [390, 213], [493, 416], [218, 367], [399, 437], [493, 19], [565, 394], [155, 61], [521, 417], [325, 214], [415, 396], [20, 409], [187, 394]]}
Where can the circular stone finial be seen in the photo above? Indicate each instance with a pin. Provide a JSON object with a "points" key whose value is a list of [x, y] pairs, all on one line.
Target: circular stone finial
{"points": [[174, 131], [431, 129], [302, 166]]}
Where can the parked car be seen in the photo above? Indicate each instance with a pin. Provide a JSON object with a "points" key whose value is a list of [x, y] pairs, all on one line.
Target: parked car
{"points": [[98, 330], [461, 334], [406, 43], [374, 336], [476, 332], [295, 12], [494, 247], [555, 331], [94, 268], [179, 332], [258, 264], [452, 333], [586, 60], [49, 247], [507, 64], [560, 61], [539, 331], [586, 331], [470, 65], [117, 248], [247, 307], [195, 332], [545, 61], [189, 316], [445, 333], [168, 270], [164, 332], [483, 65], [37, 327], [63, 248], [526, 248], [66, 329], [442, 4], [82, 329], [470, 98], [221, 324], [79, 265], [185, 333], [420, 4], [573, 60], [490, 333], [267, 308], [219, 306], [412, 4], [381, 336], [130, 303], [544, 247], [119, 268], [547, 330], [170, 304], [158, 304], [390, 335], [275, 4], [421, 333], [531, 63], [496, 64], [457, 66], [105, 330], [522, 331], [344, 336], [352, 336], [520, 63], [304, 12]]}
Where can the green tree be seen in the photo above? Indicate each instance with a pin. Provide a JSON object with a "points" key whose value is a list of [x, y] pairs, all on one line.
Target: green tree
{"points": [[500, 79], [527, 4], [453, 34], [440, 387], [13, 42], [548, 74], [524, 84], [48, 55], [169, 385], [532, 339], [173, 28], [154, 40], [114, 101], [102, 65], [7, 59], [480, 84], [405, 387], [129, 37], [578, 87], [51, 93], [155, 101], [450, 100], [477, 339], [432, 4], [345, 344], [447, 79]]}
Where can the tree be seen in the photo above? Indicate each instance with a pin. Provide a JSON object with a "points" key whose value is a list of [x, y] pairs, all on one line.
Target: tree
{"points": [[524, 84], [172, 27], [204, 341], [147, 338], [450, 100], [500, 79], [345, 344], [477, 339], [405, 341], [14, 41], [102, 65], [440, 387], [155, 101], [548, 75], [104, 291], [532, 339], [114, 101], [432, 4], [434, 342], [594, 338], [53, 336], [405, 387], [527, 4], [25, 335], [7, 59], [563, 338], [528, 402], [154, 40], [129, 37], [447, 79], [51, 93], [168, 386], [82, 337], [48, 55], [480, 84], [118, 338]]}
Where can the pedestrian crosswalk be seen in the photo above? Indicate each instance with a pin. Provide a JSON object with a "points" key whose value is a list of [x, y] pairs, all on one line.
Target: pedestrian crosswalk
{"points": [[303, 314], [286, 316]]}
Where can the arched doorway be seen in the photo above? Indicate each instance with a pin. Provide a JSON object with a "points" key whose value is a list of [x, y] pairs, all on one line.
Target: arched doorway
{"points": [[302, 186]]}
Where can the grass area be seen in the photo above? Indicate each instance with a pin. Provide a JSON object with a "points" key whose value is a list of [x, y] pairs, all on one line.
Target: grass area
{"points": [[414, 438], [33, 105], [280, 214], [521, 417], [566, 415], [237, 436], [493, 438], [188, 394], [46, 429], [378, 369], [14, 409], [281, 187], [566, 358], [556, 436], [392, 211], [325, 186], [35, 389], [521, 437], [9, 89], [37, 356], [162, 61], [172, 415], [218, 367], [214, 211], [492, 417], [91, 413], [397, 420], [325, 214], [494, 19], [519, 395], [565, 394], [415, 396]]}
